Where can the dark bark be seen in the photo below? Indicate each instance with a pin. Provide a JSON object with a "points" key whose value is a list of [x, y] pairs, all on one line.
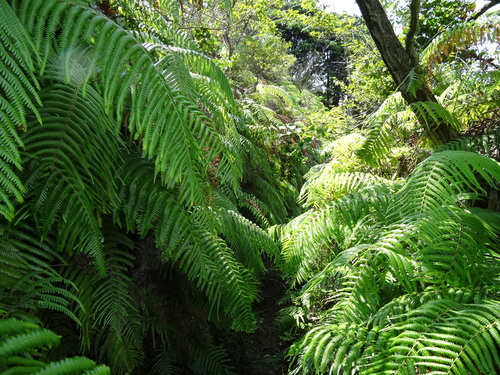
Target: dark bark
{"points": [[400, 62]]}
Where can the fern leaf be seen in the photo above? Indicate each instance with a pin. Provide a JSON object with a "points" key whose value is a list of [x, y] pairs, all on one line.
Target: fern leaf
{"points": [[19, 95], [68, 181], [26, 342], [69, 366]]}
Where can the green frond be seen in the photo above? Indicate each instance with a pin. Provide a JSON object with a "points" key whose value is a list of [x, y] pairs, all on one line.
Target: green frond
{"points": [[18, 97], [112, 303], [121, 354], [443, 337], [326, 185], [157, 18], [187, 239], [443, 180], [275, 95], [463, 35], [139, 85], [164, 364], [212, 361], [19, 337], [21, 346], [413, 82], [248, 240], [74, 365], [228, 285], [317, 236], [484, 144], [384, 127], [31, 282], [334, 349], [435, 113], [20, 343], [363, 288], [69, 184]]}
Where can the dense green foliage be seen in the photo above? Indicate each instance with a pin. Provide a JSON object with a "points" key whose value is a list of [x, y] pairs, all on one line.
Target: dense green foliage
{"points": [[164, 165]]}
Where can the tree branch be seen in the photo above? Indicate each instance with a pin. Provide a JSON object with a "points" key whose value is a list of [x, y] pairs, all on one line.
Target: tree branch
{"points": [[483, 10], [412, 31]]}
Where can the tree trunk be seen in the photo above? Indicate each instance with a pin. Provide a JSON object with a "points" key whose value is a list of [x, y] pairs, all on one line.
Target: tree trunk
{"points": [[400, 63]]}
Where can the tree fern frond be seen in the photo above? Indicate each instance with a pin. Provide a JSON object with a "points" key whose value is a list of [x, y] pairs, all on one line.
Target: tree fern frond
{"points": [[329, 230], [18, 95], [446, 337], [381, 130], [213, 361], [201, 64], [435, 113], [441, 180], [247, 239], [20, 343], [68, 181], [121, 354], [172, 129], [275, 95], [212, 264], [327, 185], [164, 364], [112, 302], [485, 144], [460, 36], [30, 279], [19, 338], [71, 366], [189, 241]]}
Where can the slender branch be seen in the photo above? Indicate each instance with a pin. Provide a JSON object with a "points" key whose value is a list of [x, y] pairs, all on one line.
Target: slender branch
{"points": [[483, 10]]}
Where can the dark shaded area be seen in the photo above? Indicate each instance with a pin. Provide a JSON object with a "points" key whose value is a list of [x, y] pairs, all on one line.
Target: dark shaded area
{"points": [[261, 352]]}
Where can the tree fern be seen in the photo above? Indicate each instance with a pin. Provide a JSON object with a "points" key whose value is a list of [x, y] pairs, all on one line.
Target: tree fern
{"points": [[366, 300]]}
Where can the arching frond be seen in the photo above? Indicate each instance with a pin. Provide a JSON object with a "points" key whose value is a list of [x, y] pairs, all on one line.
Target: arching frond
{"points": [[441, 181], [366, 299], [463, 35], [30, 281], [328, 185], [316, 237], [188, 240], [275, 95], [66, 175], [18, 96], [21, 344], [171, 128]]}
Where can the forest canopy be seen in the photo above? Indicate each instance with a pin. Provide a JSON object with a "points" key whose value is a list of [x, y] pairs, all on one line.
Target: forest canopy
{"points": [[249, 187]]}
